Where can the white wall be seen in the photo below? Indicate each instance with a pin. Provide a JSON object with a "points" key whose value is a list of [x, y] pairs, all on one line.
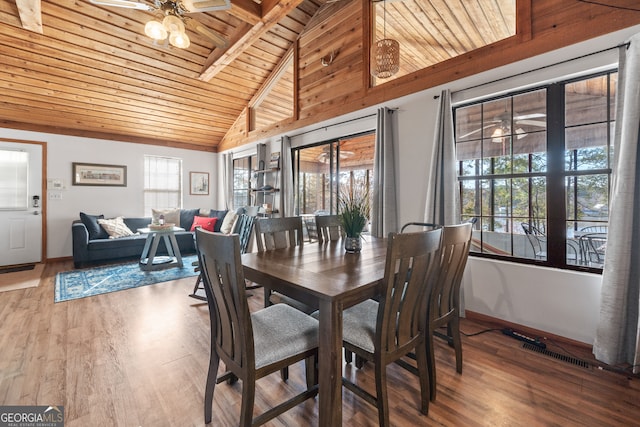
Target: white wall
{"points": [[62, 151], [563, 303]]}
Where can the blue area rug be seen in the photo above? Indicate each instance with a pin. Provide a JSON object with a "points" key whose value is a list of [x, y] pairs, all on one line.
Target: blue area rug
{"points": [[101, 280]]}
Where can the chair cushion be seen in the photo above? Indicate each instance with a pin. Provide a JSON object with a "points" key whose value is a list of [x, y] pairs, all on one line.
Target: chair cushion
{"points": [[278, 298], [115, 227], [94, 229], [359, 325], [205, 222], [281, 331]]}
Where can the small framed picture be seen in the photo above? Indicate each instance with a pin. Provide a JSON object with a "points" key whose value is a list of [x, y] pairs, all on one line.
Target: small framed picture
{"points": [[98, 174], [199, 182]]}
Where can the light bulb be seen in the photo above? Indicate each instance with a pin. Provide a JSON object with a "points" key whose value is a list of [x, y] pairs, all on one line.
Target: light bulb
{"points": [[179, 39], [155, 30]]}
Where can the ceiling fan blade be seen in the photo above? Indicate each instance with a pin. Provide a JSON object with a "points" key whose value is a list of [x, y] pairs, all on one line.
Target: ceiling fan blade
{"points": [[529, 116], [123, 3], [206, 5], [468, 134], [218, 39], [538, 123]]}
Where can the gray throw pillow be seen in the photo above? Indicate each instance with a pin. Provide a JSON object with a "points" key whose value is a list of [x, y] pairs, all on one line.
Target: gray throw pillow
{"points": [[186, 217], [94, 229], [220, 215]]}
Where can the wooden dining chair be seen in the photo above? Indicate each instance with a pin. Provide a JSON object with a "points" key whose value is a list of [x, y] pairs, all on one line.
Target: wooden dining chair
{"points": [[329, 228], [244, 229], [251, 345], [444, 297], [280, 233], [386, 330]]}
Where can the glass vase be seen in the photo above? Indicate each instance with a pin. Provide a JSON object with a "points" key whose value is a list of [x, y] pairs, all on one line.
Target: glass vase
{"points": [[353, 245]]}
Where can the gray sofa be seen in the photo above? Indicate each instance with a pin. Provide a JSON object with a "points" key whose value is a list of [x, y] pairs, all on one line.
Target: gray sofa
{"points": [[92, 245]]}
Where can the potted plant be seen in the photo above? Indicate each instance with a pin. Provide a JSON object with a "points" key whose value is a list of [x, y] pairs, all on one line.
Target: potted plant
{"points": [[354, 216]]}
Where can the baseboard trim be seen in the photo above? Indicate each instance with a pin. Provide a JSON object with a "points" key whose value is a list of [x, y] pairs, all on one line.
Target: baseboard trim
{"points": [[532, 332], [60, 259]]}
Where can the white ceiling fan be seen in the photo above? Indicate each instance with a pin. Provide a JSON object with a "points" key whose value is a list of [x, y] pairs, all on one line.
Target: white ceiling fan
{"points": [[502, 125], [172, 18]]}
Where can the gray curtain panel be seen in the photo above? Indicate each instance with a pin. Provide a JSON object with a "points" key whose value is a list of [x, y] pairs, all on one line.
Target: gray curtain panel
{"points": [[286, 181], [618, 333], [227, 180], [384, 207], [442, 205]]}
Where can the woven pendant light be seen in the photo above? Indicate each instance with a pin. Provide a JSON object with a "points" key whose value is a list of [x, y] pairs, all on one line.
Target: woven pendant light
{"points": [[385, 54]]}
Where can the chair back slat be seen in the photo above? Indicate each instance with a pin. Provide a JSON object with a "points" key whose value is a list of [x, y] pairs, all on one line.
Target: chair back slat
{"points": [[329, 228], [219, 258], [456, 241], [278, 233], [410, 263], [244, 229]]}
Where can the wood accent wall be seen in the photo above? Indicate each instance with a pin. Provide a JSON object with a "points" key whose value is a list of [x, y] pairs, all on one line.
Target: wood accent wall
{"points": [[343, 86]]}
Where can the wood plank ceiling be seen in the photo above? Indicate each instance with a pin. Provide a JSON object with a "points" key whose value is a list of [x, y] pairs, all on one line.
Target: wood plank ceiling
{"points": [[94, 72], [90, 70]]}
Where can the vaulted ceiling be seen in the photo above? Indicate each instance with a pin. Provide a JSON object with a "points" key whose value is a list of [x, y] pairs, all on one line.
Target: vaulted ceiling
{"points": [[92, 71], [77, 68]]}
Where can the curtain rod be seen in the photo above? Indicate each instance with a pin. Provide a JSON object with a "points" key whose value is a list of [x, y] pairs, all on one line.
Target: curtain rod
{"points": [[333, 124], [542, 68], [392, 110]]}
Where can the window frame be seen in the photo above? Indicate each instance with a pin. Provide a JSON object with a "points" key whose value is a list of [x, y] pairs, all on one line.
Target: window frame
{"points": [[557, 215], [250, 172], [334, 171], [159, 190]]}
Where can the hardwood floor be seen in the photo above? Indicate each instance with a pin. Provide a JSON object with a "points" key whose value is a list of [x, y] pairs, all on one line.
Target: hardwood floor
{"points": [[139, 357]]}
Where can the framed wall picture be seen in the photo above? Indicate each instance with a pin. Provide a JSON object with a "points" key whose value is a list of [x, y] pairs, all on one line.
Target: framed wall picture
{"points": [[100, 175], [199, 183]]}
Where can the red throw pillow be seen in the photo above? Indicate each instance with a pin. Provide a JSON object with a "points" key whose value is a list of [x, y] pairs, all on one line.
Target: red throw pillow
{"points": [[205, 222]]}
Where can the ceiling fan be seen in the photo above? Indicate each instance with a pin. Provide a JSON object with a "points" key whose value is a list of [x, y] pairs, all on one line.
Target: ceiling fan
{"points": [[171, 18], [324, 156], [502, 125]]}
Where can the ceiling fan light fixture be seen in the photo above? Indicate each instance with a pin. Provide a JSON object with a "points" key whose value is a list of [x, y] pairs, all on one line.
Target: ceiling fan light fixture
{"points": [[173, 24], [179, 39], [155, 30]]}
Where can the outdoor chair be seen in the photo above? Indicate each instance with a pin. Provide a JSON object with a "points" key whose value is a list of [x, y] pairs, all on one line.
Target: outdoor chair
{"points": [[538, 242], [251, 345], [386, 330]]}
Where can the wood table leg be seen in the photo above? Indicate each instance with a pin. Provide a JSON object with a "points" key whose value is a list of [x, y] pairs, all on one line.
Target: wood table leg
{"points": [[330, 364]]}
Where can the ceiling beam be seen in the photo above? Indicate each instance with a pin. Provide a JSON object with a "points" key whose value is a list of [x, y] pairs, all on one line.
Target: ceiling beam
{"points": [[271, 16], [30, 14], [246, 10]]}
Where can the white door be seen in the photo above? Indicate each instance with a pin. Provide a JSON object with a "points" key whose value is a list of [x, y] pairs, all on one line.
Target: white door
{"points": [[21, 202]]}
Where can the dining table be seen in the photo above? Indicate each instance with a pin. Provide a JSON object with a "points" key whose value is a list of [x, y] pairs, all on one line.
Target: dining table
{"points": [[323, 276]]}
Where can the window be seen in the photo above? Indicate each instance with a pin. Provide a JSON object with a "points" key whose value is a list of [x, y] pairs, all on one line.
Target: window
{"points": [[323, 170], [242, 180], [162, 183], [14, 174], [535, 168], [432, 32]]}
